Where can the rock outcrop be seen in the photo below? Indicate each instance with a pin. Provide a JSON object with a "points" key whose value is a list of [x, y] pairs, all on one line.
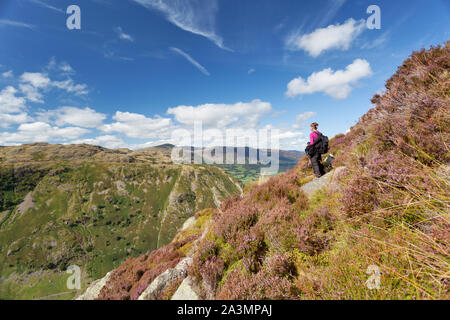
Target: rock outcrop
{"points": [[165, 279], [185, 291], [93, 291], [327, 181]]}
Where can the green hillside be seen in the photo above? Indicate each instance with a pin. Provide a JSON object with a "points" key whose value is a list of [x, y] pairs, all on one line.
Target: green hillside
{"points": [[92, 207]]}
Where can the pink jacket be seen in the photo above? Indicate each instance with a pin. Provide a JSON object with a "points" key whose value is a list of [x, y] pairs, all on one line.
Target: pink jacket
{"points": [[313, 137]]}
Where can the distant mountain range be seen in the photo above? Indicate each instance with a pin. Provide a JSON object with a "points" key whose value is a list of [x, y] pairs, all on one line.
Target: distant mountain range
{"points": [[243, 170]]}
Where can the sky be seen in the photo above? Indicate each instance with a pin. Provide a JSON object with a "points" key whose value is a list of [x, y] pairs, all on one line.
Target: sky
{"points": [[139, 70]]}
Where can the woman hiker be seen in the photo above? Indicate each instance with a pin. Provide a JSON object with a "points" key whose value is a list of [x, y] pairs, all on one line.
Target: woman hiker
{"points": [[316, 156]]}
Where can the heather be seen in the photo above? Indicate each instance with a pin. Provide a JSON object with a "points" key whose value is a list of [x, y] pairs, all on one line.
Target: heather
{"points": [[131, 279], [133, 276]]}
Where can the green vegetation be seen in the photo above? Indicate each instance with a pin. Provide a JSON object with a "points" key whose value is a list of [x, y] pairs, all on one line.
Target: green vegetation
{"points": [[247, 173], [92, 214]]}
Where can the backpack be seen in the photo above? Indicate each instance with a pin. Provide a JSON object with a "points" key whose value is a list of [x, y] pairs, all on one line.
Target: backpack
{"points": [[322, 144]]}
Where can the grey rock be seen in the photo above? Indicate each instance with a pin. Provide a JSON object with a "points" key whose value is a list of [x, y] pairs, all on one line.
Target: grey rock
{"points": [[165, 279], [326, 181], [185, 291], [26, 204], [188, 223], [95, 288]]}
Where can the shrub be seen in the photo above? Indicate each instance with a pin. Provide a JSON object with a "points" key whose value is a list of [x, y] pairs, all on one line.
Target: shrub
{"points": [[360, 196], [241, 285]]}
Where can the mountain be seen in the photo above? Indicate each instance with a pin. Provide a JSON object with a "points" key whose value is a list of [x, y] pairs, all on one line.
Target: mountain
{"points": [[242, 168], [93, 207], [376, 227]]}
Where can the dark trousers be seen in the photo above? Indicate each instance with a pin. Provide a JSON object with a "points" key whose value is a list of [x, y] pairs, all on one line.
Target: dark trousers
{"points": [[316, 161]]}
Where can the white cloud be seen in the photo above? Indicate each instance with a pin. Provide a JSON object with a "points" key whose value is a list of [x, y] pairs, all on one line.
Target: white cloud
{"points": [[31, 93], [333, 83], [9, 102], [222, 115], [339, 36], [301, 119], [135, 125], [12, 23], [71, 87], [195, 16], [63, 66], [251, 71], [107, 141], [32, 83], [66, 68], [86, 117], [7, 119], [122, 35], [191, 60], [40, 132], [37, 80], [7, 74]]}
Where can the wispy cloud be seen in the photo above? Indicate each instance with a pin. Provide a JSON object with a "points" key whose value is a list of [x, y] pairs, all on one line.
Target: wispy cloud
{"points": [[331, 10], [122, 35], [194, 16], [16, 24], [46, 5], [7, 74], [191, 60], [380, 41], [112, 55], [300, 120]]}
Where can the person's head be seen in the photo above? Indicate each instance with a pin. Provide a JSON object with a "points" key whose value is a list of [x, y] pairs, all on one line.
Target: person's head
{"points": [[314, 126]]}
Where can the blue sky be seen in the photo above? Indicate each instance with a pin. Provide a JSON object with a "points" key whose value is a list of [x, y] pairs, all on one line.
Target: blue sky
{"points": [[140, 69]]}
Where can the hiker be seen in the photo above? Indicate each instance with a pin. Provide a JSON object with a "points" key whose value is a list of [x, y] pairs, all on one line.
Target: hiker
{"points": [[315, 149]]}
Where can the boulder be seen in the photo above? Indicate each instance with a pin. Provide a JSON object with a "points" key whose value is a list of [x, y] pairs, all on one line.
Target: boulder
{"points": [[326, 181], [165, 279], [93, 291], [185, 291]]}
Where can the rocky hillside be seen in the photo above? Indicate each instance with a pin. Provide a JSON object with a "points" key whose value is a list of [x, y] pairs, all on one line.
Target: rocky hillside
{"points": [[375, 228], [63, 205]]}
